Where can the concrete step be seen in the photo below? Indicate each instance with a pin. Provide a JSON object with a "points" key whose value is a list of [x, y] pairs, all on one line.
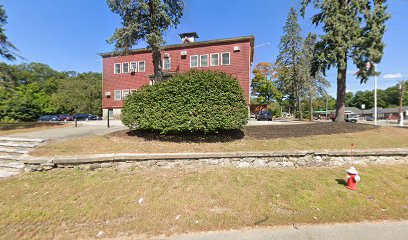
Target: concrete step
{"points": [[8, 172], [13, 150], [23, 140], [12, 165], [10, 157], [20, 145]]}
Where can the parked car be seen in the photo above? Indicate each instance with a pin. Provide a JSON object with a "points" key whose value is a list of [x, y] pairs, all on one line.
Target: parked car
{"points": [[85, 117], [267, 115], [370, 118], [48, 118], [65, 117], [351, 118]]}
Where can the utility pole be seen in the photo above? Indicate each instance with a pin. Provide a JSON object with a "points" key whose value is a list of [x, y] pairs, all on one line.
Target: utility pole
{"points": [[401, 119], [375, 94]]}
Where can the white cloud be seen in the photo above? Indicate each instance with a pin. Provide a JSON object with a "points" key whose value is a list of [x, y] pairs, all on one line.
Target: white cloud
{"points": [[393, 76]]}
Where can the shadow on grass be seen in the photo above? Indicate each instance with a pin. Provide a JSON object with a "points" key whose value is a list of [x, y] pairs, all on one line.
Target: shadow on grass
{"points": [[26, 125], [341, 182], [194, 137]]}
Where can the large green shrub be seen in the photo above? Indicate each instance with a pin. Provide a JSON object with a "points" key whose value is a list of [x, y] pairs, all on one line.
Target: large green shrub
{"points": [[195, 101]]}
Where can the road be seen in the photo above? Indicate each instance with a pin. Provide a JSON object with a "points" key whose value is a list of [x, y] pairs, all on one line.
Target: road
{"points": [[70, 131], [357, 231]]}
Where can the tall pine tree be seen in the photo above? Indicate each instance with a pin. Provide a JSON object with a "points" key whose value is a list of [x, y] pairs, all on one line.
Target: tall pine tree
{"points": [[6, 47], [288, 62], [354, 30], [145, 20]]}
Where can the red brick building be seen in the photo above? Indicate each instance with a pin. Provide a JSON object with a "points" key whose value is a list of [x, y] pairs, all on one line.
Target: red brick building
{"points": [[123, 74]]}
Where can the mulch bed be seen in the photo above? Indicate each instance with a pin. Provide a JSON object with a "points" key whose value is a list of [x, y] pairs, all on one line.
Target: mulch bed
{"points": [[304, 130], [254, 132]]}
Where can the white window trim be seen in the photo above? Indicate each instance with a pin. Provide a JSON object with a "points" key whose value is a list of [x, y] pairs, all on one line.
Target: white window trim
{"points": [[130, 66], [132, 90], [218, 57], [144, 64], [208, 64], [197, 61], [114, 95], [123, 68], [114, 68], [229, 58], [165, 64]]}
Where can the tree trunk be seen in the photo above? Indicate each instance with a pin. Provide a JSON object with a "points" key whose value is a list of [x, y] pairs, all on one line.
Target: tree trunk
{"points": [[155, 43], [311, 107], [298, 103], [341, 89], [157, 64]]}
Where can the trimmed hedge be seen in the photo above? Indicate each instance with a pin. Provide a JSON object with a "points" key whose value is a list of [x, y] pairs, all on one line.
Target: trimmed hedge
{"points": [[195, 101]]}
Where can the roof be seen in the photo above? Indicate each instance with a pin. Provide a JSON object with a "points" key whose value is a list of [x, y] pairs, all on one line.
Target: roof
{"points": [[187, 45]]}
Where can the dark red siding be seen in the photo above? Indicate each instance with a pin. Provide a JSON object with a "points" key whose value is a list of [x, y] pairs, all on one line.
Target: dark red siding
{"points": [[239, 67]]}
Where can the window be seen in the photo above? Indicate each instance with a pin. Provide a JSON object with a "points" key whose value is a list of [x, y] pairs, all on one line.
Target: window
{"points": [[133, 66], [125, 93], [141, 66], [117, 68], [125, 67], [225, 58], [204, 60], [167, 63], [118, 95], [194, 61], [215, 59], [132, 90]]}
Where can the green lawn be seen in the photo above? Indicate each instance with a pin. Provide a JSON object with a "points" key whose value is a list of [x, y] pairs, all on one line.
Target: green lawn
{"points": [[72, 204]]}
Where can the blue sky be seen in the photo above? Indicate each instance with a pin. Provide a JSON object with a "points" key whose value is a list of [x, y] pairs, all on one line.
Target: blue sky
{"points": [[68, 34]]}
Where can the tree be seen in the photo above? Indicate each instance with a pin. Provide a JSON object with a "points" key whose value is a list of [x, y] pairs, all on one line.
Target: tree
{"points": [[353, 29], [6, 47], [348, 99], [262, 84], [288, 61], [145, 20], [194, 101], [315, 85], [80, 94]]}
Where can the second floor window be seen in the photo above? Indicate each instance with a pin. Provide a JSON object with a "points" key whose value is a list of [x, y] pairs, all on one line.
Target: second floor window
{"points": [[141, 66], [204, 60], [167, 63], [193, 61], [215, 58], [117, 68], [225, 58], [133, 66], [125, 67]]}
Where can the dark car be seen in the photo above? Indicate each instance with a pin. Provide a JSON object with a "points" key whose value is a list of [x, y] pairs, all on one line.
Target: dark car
{"points": [[48, 118], [65, 117], [370, 118], [264, 115], [85, 117]]}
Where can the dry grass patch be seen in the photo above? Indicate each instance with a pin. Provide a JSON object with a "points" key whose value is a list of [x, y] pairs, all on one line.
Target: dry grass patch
{"points": [[72, 204], [23, 127], [120, 142]]}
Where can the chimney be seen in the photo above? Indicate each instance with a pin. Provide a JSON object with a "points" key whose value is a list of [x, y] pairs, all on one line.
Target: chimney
{"points": [[188, 37]]}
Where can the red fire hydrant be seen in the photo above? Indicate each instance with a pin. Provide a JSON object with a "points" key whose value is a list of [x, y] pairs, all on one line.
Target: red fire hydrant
{"points": [[352, 178]]}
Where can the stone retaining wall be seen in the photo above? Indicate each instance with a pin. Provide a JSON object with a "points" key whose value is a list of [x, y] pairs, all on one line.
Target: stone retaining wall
{"points": [[239, 159]]}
